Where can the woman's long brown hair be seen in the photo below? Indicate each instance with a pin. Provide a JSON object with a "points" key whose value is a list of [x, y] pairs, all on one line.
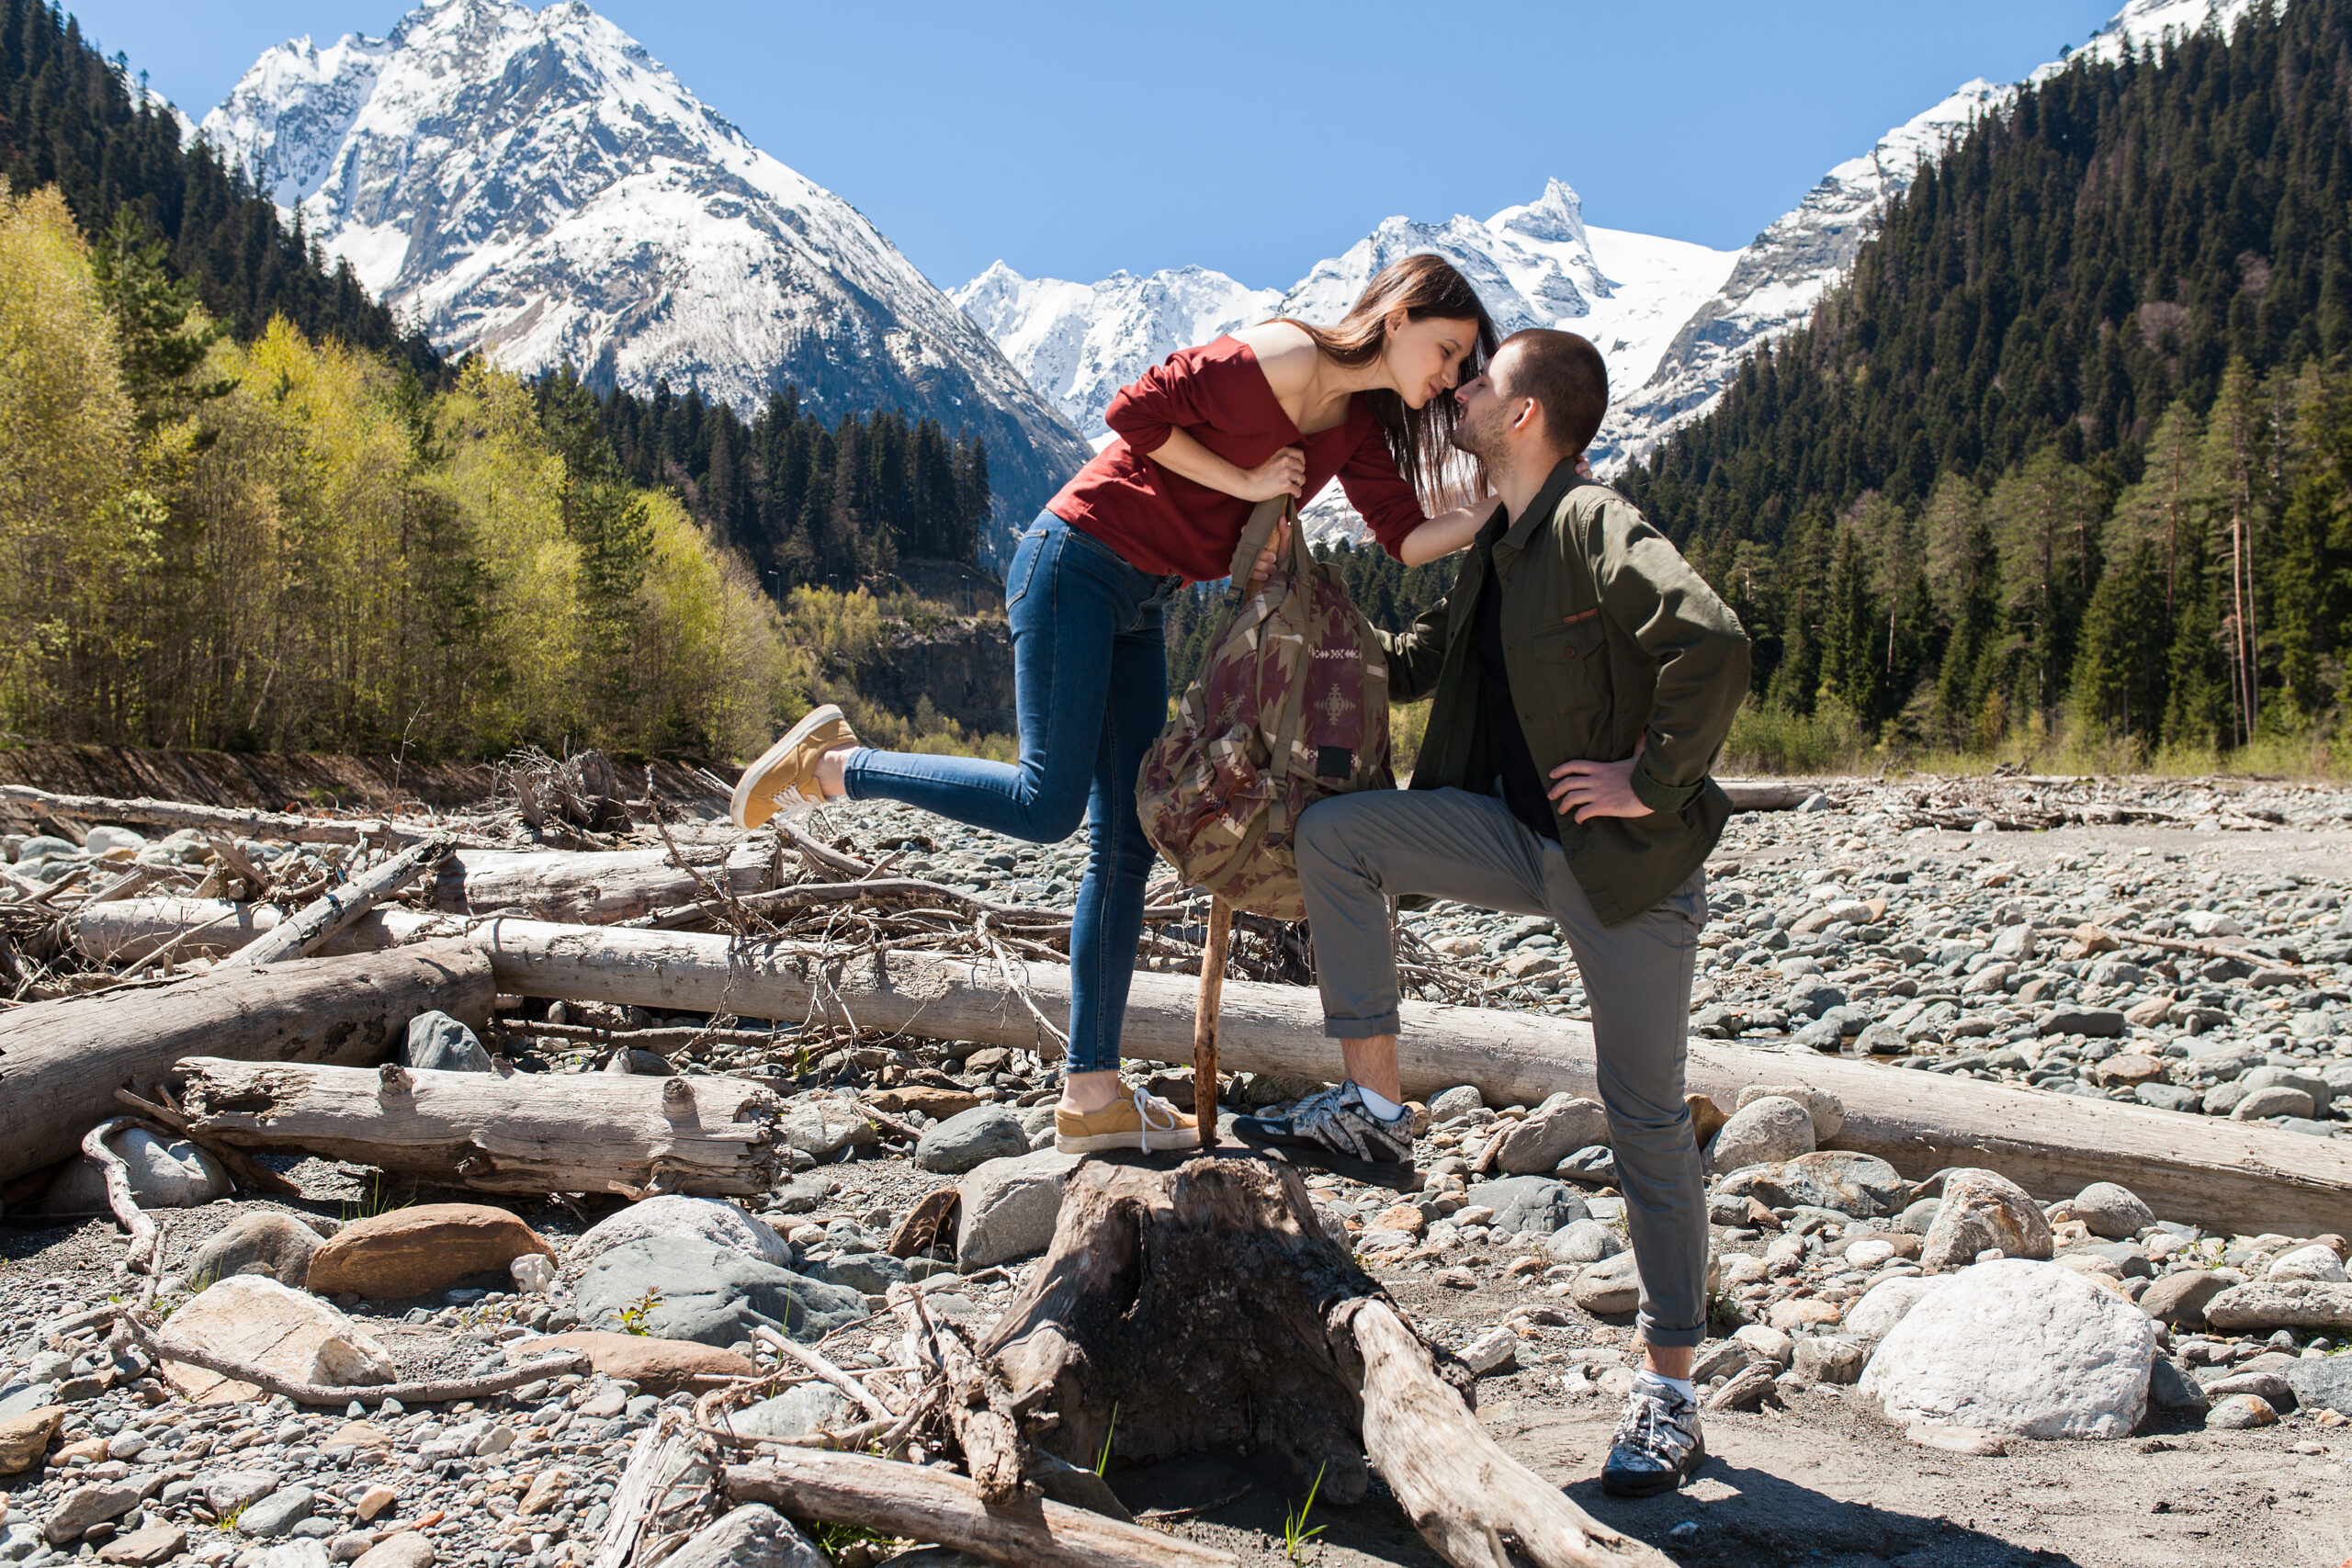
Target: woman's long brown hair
{"points": [[1418, 438]]}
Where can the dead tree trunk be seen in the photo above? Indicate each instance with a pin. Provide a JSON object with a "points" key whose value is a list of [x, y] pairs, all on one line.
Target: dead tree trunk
{"points": [[61, 1061], [210, 818], [2236, 1176], [1207, 1307], [130, 931], [338, 907], [591, 889], [511, 1133]]}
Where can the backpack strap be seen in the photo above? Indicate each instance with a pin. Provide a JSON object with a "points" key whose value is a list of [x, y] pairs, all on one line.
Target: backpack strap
{"points": [[1254, 539]]}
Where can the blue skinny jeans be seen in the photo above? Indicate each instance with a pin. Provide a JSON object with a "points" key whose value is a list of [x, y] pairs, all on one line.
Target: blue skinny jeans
{"points": [[1090, 687]]}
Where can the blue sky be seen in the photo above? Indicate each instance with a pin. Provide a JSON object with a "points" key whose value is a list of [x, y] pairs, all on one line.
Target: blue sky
{"points": [[1075, 139]]}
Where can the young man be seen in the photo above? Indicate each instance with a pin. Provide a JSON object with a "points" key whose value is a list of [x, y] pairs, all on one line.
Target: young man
{"points": [[1583, 679]]}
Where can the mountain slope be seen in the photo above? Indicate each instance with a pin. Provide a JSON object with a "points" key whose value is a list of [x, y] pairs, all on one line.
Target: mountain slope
{"points": [[1536, 265], [535, 185]]}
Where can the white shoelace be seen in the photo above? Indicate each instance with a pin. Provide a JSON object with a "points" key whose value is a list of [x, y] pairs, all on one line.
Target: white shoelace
{"points": [[1145, 1102]]}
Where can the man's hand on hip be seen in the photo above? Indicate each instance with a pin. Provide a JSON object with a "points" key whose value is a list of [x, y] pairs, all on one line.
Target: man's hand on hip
{"points": [[1587, 790]]}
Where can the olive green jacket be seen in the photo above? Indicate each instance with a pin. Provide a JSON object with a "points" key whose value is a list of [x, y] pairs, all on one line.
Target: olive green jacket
{"points": [[1608, 636]]}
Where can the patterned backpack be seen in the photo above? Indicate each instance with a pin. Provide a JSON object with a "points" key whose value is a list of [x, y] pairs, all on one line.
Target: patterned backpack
{"points": [[1291, 706]]}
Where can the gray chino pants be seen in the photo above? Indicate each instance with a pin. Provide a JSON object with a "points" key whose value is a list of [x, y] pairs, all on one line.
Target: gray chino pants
{"points": [[1356, 851]]}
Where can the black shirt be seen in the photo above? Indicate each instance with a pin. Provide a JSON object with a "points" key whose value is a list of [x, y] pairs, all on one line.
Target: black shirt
{"points": [[1522, 788]]}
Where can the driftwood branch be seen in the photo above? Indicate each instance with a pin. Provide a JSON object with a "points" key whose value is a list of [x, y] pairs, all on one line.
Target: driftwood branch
{"points": [[341, 906], [519, 1133], [924, 1504], [210, 818], [126, 1208]]}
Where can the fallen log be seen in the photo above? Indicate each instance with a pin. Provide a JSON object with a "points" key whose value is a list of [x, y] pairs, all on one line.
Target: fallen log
{"points": [[2236, 1176], [531, 1133], [1767, 795], [338, 907], [591, 888], [135, 930], [923, 1504], [1206, 1306], [61, 1061], [175, 815]]}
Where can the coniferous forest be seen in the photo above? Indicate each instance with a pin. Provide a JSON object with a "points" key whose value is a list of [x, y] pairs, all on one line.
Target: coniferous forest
{"points": [[243, 507], [2068, 462]]}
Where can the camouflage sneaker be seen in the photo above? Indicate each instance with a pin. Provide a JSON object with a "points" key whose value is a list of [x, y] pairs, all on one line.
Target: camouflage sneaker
{"points": [[1657, 1444], [785, 778], [1338, 1122]]}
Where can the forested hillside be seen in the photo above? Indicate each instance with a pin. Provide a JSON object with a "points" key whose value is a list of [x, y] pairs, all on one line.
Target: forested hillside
{"points": [[2069, 457]]}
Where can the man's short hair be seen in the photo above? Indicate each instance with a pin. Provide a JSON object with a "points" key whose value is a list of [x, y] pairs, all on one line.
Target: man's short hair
{"points": [[1565, 374]]}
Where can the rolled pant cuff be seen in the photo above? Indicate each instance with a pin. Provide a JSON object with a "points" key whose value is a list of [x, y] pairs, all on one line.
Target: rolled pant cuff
{"points": [[1361, 1028], [1670, 1338]]}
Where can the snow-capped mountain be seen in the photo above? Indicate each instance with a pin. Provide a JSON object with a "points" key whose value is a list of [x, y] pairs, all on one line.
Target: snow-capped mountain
{"points": [[1537, 264], [1674, 319], [535, 185]]}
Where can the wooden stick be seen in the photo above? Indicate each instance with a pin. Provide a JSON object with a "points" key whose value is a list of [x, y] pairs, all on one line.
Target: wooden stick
{"points": [[126, 1207], [429, 1393], [1205, 1007], [825, 1369], [923, 1504], [174, 814], [341, 906], [255, 1176]]}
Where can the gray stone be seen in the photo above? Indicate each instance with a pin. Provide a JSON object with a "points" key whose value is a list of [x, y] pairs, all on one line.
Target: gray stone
{"points": [[2168, 1096], [2174, 1390], [277, 1514], [2263, 1306], [2272, 1076], [1882, 1306], [1917, 1217], [2275, 1100], [869, 1273], [1547, 1135], [1584, 1241], [85, 1507], [1490, 1352], [970, 1138], [2240, 1412], [2020, 1348], [164, 1174], [1528, 1203], [2112, 1211], [1007, 1207], [278, 1245], [712, 1295], [754, 1536], [1983, 1209], [712, 1219], [1828, 1111], [231, 1490], [1861, 1185], [2099, 1023], [2321, 1382], [2179, 1299], [1591, 1167], [1609, 1287], [795, 1413], [821, 1127], [1076, 1487], [440, 1043], [1811, 998], [1448, 1103], [1769, 1130], [24, 1398], [1821, 1358]]}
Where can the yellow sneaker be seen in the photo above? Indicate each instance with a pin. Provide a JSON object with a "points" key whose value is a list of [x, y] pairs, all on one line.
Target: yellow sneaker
{"points": [[1142, 1121], [785, 778]]}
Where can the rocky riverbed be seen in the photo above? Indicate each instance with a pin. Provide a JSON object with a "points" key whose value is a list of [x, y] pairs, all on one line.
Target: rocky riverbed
{"points": [[1938, 1372]]}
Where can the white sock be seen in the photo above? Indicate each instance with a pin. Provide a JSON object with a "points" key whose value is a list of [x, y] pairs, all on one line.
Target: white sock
{"points": [[1380, 1105], [1679, 1385]]}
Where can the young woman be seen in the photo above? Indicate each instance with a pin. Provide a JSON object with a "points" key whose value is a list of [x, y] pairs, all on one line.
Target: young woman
{"points": [[1276, 409]]}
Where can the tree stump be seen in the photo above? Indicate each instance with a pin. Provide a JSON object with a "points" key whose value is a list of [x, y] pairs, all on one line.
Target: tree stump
{"points": [[1206, 1306]]}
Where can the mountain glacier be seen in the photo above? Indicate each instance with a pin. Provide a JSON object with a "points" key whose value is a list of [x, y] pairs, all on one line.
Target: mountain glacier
{"points": [[535, 185], [1675, 319]]}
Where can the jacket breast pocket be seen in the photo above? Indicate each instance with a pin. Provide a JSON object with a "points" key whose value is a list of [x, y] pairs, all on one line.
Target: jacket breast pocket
{"points": [[1576, 651]]}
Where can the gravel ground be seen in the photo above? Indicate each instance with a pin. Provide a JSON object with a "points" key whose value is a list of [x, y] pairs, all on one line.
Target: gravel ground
{"points": [[1916, 913]]}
